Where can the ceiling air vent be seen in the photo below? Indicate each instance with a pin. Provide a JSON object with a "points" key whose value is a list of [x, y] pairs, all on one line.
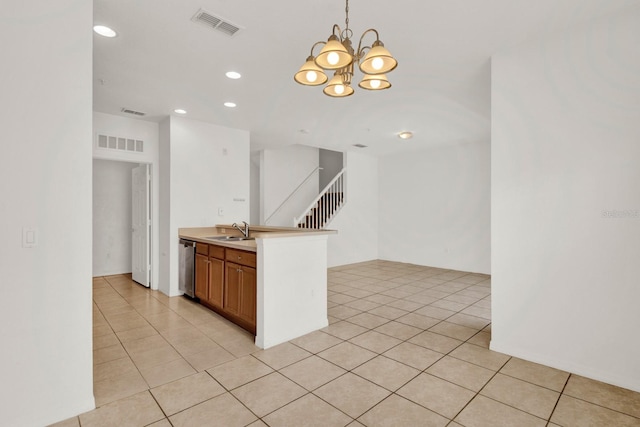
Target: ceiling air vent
{"points": [[134, 112], [360, 145], [216, 23]]}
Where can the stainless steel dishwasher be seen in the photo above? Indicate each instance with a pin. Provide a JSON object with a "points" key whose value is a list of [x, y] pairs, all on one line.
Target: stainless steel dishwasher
{"points": [[187, 267]]}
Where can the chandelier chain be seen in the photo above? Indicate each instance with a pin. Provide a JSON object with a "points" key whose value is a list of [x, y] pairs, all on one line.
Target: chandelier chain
{"points": [[346, 21]]}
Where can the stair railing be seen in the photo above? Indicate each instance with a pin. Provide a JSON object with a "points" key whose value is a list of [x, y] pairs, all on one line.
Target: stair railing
{"points": [[326, 205], [292, 194]]}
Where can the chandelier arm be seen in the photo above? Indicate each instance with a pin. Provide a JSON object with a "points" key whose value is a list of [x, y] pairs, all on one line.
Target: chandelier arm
{"points": [[361, 48], [339, 34], [314, 46]]}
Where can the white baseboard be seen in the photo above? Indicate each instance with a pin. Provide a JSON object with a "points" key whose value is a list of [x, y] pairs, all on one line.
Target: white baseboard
{"points": [[629, 382]]}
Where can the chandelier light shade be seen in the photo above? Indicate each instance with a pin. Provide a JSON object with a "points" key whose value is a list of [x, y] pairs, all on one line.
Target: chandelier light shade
{"points": [[337, 87], [374, 82], [338, 55], [378, 60], [334, 55], [310, 74]]}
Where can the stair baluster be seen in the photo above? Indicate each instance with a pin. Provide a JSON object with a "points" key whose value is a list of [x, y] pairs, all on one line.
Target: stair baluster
{"points": [[325, 206]]}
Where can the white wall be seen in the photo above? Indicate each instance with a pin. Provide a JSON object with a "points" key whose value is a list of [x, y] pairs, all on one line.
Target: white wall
{"points": [[357, 221], [165, 239], [435, 207], [45, 183], [111, 217], [565, 156], [109, 124], [208, 169], [331, 163], [281, 172], [291, 288], [254, 178]]}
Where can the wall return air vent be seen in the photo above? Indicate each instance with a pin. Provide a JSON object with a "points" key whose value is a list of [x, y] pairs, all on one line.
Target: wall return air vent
{"points": [[118, 143], [216, 23]]}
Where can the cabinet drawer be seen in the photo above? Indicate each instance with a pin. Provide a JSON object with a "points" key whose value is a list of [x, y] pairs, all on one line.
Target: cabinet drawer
{"points": [[241, 257], [216, 252], [202, 249]]}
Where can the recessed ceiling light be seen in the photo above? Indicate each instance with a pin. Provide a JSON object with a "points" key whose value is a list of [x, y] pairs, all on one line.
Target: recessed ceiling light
{"points": [[233, 75], [405, 135], [104, 31], [180, 111], [230, 104]]}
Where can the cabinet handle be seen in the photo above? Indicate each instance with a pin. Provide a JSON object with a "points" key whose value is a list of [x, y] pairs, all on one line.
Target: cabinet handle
{"points": [[239, 257]]}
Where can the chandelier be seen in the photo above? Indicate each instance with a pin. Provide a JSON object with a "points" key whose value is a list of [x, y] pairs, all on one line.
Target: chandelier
{"points": [[339, 56]]}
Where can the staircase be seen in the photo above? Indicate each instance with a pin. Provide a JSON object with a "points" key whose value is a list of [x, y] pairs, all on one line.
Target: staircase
{"points": [[325, 206]]}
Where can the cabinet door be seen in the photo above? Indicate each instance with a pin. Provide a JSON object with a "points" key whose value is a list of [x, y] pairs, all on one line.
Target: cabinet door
{"points": [[216, 281], [232, 288], [247, 309], [202, 277]]}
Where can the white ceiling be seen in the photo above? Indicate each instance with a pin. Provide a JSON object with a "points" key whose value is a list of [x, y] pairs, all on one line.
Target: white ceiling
{"points": [[161, 61]]}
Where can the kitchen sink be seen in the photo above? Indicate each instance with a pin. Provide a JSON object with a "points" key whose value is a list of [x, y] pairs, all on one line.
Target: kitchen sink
{"points": [[230, 238]]}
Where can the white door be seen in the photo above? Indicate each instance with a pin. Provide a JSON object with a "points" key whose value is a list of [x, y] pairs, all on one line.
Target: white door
{"points": [[140, 223]]}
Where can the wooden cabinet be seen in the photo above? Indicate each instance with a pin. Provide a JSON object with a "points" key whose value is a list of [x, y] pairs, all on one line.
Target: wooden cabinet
{"points": [[241, 257], [209, 274], [202, 271], [240, 293], [226, 282], [216, 275], [216, 281], [231, 289], [248, 296], [240, 287], [202, 277]]}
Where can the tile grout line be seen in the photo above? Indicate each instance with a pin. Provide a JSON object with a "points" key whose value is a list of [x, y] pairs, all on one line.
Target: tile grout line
{"points": [[558, 399], [477, 393], [587, 401]]}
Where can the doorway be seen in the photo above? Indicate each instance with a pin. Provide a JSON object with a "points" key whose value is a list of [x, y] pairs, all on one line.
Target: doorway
{"points": [[121, 219]]}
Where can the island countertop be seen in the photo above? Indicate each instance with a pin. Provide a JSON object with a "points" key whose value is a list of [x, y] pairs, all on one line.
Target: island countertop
{"points": [[290, 275], [208, 234]]}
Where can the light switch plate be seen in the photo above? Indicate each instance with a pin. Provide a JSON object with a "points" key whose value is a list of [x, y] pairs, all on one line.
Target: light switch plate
{"points": [[220, 211], [29, 237]]}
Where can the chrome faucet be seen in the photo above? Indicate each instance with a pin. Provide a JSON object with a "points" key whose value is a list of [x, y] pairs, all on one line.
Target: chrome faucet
{"points": [[245, 231]]}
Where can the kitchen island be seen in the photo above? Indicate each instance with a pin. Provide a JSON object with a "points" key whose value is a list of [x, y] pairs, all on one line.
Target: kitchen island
{"points": [[287, 267]]}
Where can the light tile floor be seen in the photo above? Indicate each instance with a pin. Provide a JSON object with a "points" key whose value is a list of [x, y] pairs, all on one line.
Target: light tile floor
{"points": [[406, 346]]}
